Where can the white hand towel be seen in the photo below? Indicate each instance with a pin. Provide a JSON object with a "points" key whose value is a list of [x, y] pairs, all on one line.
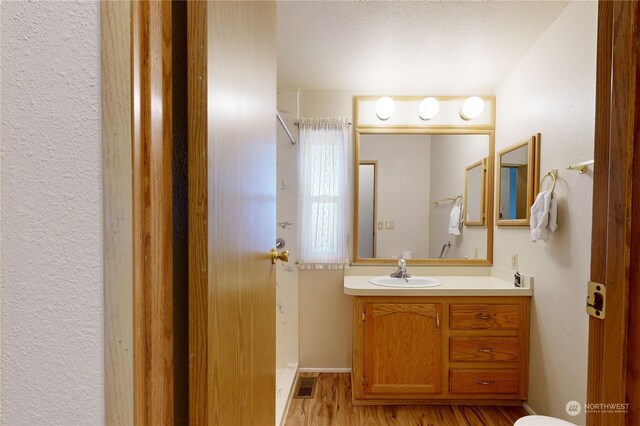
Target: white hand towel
{"points": [[455, 218], [543, 216], [553, 213]]}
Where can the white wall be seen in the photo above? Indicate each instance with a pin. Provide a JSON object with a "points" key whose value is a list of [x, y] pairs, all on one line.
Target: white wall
{"points": [[325, 311], [552, 91], [52, 315]]}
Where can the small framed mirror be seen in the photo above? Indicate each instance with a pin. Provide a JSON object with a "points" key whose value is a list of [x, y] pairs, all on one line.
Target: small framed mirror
{"points": [[517, 176], [475, 183]]}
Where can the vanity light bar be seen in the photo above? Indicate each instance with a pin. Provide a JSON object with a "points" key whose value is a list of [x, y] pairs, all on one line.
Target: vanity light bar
{"points": [[470, 108]]}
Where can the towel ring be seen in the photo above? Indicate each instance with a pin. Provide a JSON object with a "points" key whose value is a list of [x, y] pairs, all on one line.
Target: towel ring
{"points": [[553, 174]]}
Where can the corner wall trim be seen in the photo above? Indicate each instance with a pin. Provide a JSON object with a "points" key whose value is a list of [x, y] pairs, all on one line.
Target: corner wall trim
{"points": [[528, 409]]}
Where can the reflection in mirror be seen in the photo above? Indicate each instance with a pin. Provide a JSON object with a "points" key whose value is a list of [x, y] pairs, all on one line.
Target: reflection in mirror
{"points": [[516, 183], [367, 209], [413, 172], [474, 193]]}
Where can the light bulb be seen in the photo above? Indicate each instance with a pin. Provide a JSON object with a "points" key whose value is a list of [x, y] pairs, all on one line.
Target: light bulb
{"points": [[385, 107], [471, 108], [428, 108]]}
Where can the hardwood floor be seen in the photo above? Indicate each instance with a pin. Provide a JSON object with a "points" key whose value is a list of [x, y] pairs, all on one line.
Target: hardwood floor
{"points": [[331, 405]]}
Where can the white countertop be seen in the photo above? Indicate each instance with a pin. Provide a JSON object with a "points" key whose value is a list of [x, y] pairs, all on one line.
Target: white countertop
{"points": [[451, 286]]}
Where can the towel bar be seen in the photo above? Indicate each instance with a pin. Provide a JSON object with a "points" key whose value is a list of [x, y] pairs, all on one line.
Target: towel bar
{"points": [[453, 198], [580, 167]]}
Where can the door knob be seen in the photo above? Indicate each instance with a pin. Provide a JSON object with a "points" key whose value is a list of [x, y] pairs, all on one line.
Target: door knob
{"points": [[283, 255]]}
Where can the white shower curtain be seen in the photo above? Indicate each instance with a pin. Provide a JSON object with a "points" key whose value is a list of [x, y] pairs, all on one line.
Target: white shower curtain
{"points": [[323, 193]]}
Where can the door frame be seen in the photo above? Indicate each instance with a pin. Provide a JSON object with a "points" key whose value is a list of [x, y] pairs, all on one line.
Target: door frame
{"points": [[613, 377], [115, 33], [137, 182], [152, 127]]}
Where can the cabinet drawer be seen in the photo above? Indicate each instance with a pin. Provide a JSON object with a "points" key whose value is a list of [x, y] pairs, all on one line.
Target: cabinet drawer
{"points": [[484, 348], [484, 317], [484, 381]]}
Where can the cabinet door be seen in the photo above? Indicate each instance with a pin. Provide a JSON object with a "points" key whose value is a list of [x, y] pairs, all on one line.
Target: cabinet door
{"points": [[402, 350]]}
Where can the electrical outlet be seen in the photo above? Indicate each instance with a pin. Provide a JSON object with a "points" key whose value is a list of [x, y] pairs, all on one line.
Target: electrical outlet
{"points": [[380, 226], [514, 261], [389, 225]]}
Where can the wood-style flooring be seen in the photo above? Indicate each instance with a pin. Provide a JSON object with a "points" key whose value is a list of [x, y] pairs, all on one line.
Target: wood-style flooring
{"points": [[331, 405]]}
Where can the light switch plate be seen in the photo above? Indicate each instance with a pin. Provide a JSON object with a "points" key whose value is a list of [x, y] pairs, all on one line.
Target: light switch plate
{"points": [[380, 226], [389, 225]]}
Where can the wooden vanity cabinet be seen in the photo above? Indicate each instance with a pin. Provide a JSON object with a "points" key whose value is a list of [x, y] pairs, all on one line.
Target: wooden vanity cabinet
{"points": [[402, 348], [443, 349]]}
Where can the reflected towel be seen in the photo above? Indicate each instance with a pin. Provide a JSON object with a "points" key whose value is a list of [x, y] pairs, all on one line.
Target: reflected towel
{"points": [[544, 216], [455, 220]]}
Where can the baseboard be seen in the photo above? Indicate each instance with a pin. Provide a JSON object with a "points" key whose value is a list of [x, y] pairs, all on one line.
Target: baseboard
{"points": [[284, 392], [324, 370], [528, 409]]}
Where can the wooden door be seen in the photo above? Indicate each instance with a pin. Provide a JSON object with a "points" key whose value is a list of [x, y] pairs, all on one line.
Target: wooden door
{"points": [[402, 348], [232, 182], [614, 342]]}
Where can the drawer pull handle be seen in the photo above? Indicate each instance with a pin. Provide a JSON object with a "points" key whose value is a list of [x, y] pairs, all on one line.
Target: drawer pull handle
{"points": [[484, 317], [486, 350], [485, 382]]}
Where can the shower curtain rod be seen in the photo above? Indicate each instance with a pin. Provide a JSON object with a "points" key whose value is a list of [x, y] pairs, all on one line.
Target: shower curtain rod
{"points": [[286, 130], [297, 123]]}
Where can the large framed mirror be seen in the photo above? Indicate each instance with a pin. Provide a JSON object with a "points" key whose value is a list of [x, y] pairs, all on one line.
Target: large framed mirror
{"points": [[408, 182], [517, 182], [417, 168]]}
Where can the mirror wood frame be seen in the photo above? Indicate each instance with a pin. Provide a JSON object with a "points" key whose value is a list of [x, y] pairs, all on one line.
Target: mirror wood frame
{"points": [[415, 130], [533, 178], [483, 195]]}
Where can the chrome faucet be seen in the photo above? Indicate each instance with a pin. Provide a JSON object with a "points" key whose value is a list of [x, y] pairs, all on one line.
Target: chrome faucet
{"points": [[402, 271], [443, 253]]}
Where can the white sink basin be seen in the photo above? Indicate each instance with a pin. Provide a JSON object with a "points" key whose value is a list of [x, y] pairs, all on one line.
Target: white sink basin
{"points": [[414, 282]]}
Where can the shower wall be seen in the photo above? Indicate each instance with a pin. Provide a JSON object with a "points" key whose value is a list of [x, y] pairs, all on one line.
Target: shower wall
{"points": [[287, 228]]}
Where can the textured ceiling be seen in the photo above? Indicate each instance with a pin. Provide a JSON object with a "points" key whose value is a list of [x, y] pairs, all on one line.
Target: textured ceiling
{"points": [[438, 47]]}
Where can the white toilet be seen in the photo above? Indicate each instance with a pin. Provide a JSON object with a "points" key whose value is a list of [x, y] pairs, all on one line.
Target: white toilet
{"points": [[541, 421]]}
